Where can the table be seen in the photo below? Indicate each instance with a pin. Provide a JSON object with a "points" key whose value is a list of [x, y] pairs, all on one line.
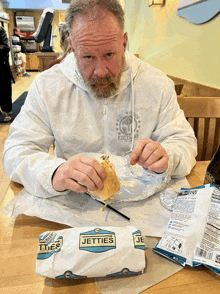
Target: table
{"points": [[19, 246]]}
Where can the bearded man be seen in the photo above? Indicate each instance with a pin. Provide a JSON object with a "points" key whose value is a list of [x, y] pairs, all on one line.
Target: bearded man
{"points": [[100, 99]]}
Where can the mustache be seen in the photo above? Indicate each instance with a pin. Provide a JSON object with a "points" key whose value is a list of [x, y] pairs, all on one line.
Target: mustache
{"points": [[102, 81]]}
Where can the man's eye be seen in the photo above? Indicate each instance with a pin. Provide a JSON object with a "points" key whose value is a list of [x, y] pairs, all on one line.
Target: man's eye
{"points": [[109, 54], [89, 57]]}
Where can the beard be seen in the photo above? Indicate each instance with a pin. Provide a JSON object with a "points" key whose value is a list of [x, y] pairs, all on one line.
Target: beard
{"points": [[110, 90]]}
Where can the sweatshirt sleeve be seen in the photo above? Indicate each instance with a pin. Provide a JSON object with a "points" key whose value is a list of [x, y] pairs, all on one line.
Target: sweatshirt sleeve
{"points": [[26, 159], [175, 133]]}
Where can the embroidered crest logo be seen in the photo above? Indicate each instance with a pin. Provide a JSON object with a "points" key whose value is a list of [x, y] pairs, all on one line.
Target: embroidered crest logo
{"points": [[124, 126]]}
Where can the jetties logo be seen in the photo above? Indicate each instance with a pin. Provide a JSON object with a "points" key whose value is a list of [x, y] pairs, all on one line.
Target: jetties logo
{"points": [[97, 241], [47, 245], [124, 126], [138, 240]]}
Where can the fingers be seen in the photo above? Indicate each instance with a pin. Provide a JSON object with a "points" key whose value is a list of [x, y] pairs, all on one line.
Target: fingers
{"points": [[160, 166], [86, 176], [80, 173], [151, 155], [94, 164], [137, 151]]}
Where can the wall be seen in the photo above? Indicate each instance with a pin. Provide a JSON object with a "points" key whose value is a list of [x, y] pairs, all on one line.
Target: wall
{"points": [[1, 6], [122, 2], [173, 44]]}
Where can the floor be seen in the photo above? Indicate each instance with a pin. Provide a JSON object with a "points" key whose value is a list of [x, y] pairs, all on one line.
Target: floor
{"points": [[22, 84]]}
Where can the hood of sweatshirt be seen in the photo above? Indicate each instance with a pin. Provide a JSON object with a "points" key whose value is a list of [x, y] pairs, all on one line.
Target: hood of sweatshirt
{"points": [[70, 69]]}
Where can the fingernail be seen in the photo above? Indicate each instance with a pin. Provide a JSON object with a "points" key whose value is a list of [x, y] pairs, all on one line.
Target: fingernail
{"points": [[103, 175], [133, 155], [100, 185]]}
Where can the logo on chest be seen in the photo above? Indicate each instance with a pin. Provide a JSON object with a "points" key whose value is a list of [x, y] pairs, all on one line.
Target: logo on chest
{"points": [[126, 124]]}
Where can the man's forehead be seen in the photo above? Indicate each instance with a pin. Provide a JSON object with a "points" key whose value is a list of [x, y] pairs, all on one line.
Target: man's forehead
{"points": [[105, 23], [97, 34], [87, 40], [102, 48]]}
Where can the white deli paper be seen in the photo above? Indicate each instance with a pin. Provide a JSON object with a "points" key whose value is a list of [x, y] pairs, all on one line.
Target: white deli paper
{"points": [[192, 236], [158, 268], [91, 252], [78, 210]]}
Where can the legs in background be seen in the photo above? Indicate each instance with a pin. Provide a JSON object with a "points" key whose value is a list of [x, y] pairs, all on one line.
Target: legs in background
{"points": [[6, 93], [25, 74]]}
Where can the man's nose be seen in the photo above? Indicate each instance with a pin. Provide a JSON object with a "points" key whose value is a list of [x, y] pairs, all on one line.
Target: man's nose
{"points": [[101, 69]]}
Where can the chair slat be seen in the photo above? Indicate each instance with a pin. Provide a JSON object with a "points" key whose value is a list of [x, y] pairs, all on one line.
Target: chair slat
{"points": [[200, 106]]}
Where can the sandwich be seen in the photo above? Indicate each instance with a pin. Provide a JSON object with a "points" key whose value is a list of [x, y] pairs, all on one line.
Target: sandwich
{"points": [[111, 182]]}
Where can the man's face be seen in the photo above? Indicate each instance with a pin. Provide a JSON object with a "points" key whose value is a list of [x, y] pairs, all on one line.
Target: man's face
{"points": [[99, 46]]}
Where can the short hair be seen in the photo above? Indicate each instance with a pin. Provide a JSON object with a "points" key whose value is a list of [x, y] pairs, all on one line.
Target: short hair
{"points": [[84, 7], [15, 29]]}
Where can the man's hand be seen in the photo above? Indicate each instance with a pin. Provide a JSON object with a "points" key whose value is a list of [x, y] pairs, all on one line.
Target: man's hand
{"points": [[80, 174], [151, 155]]}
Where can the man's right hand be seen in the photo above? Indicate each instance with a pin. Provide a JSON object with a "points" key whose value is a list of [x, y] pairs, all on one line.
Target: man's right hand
{"points": [[80, 174]]}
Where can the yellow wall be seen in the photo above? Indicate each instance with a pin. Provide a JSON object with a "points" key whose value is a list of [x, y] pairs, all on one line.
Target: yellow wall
{"points": [[122, 2], [173, 44]]}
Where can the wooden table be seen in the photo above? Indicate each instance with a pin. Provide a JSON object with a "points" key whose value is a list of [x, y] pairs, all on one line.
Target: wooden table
{"points": [[19, 246]]}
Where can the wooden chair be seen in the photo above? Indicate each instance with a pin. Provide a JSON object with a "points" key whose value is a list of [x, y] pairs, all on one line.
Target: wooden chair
{"points": [[203, 114], [178, 88]]}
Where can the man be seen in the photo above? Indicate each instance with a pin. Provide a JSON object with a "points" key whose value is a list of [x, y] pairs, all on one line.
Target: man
{"points": [[6, 76], [99, 99], [16, 40]]}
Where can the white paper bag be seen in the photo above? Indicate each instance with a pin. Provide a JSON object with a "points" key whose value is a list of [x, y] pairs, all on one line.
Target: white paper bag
{"points": [[87, 252]]}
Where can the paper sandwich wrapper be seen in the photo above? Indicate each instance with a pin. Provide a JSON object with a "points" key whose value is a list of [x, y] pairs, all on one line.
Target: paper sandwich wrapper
{"points": [[111, 182], [87, 252]]}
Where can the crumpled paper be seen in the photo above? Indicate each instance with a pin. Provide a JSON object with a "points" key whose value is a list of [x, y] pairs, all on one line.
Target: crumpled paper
{"points": [[77, 210], [157, 269]]}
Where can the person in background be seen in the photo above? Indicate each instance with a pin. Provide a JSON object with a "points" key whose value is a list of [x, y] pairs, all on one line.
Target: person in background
{"points": [[16, 40], [100, 99], [64, 44], [6, 76]]}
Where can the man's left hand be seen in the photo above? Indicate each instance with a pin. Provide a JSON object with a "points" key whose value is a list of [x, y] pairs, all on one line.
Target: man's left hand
{"points": [[151, 155]]}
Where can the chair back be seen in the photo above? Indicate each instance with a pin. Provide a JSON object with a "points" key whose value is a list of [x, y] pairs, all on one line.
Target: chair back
{"points": [[203, 114]]}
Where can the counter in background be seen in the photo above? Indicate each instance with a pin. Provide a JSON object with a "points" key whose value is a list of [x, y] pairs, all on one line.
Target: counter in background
{"points": [[32, 62], [45, 58]]}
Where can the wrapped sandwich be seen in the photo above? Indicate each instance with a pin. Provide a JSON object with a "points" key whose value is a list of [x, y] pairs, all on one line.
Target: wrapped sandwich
{"points": [[111, 182]]}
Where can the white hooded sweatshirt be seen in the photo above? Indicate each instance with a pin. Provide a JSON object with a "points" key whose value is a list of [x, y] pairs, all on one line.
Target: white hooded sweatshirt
{"points": [[60, 108]]}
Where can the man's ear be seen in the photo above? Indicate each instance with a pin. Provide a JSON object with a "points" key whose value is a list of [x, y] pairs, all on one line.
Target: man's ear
{"points": [[71, 43], [125, 41]]}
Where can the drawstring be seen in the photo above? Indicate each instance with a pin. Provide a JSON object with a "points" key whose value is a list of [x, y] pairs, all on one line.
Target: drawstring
{"points": [[132, 112], [128, 153]]}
